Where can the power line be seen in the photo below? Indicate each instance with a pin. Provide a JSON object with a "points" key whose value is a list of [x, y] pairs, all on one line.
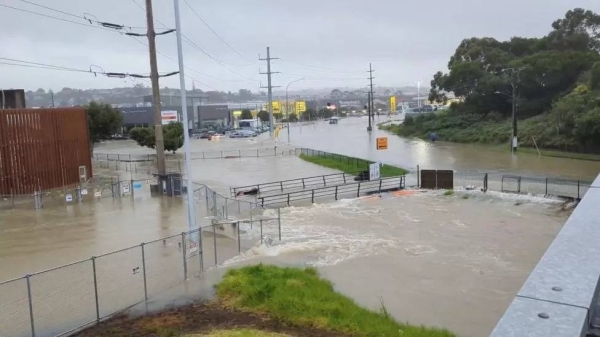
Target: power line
{"points": [[216, 34], [319, 68], [190, 42], [59, 19]]}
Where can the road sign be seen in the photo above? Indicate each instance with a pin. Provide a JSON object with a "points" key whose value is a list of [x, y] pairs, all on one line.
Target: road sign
{"points": [[382, 143], [374, 173]]}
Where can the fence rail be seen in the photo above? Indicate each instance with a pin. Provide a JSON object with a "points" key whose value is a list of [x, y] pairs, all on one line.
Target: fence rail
{"points": [[221, 154], [297, 184], [354, 189], [68, 298]]}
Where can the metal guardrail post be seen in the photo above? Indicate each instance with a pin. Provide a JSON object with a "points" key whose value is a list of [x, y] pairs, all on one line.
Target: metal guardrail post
{"points": [[336, 193], [279, 222], [324, 181], [96, 289], [27, 279], [380, 186], [261, 232], [358, 191], [215, 243], [344, 175], [418, 177], [519, 185], [303, 186], [578, 194], [288, 199], [239, 238], [184, 245], [312, 197], [144, 271], [546, 186], [281, 184]]}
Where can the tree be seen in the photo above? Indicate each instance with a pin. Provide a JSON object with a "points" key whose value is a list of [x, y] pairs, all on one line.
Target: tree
{"points": [[246, 114], [293, 117], [263, 116], [103, 121], [172, 134]]}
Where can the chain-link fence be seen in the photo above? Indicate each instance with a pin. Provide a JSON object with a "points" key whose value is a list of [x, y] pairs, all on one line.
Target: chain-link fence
{"points": [[68, 298], [79, 194], [221, 154]]}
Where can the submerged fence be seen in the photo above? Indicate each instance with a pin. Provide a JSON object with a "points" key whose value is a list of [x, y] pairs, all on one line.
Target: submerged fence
{"points": [[221, 154], [68, 298]]}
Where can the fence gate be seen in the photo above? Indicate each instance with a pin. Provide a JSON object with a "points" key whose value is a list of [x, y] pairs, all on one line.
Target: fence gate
{"points": [[437, 179], [511, 184]]}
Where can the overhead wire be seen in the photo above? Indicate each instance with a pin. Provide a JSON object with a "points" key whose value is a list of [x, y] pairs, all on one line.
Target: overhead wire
{"points": [[216, 34], [191, 43], [319, 68]]}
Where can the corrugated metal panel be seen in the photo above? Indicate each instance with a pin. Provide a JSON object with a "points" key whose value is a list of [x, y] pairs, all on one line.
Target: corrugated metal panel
{"points": [[42, 149]]}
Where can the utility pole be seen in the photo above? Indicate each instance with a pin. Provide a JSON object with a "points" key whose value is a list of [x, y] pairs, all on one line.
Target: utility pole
{"points": [[158, 130], [371, 105], [52, 97], [369, 128], [270, 87]]}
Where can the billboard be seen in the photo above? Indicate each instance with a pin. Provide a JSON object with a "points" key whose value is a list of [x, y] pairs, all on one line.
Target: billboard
{"points": [[168, 116], [300, 106], [393, 103], [276, 106]]}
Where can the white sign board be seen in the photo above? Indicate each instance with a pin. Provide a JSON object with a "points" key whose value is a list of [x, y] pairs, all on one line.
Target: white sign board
{"points": [[374, 171], [97, 194], [84, 191], [69, 197], [126, 188], [168, 116]]}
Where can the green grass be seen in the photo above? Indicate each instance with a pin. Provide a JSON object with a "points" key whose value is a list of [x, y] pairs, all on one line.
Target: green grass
{"points": [[449, 192], [351, 165], [300, 297]]}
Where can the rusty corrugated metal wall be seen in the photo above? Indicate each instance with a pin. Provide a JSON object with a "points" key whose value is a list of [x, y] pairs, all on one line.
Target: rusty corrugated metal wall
{"points": [[42, 149]]}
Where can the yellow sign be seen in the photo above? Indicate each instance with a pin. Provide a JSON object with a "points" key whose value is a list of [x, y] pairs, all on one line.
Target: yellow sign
{"points": [[382, 143], [276, 106], [300, 106], [393, 103]]}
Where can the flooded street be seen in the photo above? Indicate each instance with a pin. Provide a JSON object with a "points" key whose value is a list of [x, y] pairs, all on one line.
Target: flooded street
{"points": [[350, 138], [448, 260]]}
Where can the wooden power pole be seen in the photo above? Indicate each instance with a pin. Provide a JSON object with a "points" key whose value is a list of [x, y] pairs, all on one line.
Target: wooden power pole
{"points": [[158, 129]]}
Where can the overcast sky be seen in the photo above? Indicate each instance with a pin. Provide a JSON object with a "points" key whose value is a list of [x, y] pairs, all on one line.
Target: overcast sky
{"points": [[329, 42]]}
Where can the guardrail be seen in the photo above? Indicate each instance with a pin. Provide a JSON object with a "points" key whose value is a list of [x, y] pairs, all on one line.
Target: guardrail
{"points": [[560, 297], [354, 189], [299, 183]]}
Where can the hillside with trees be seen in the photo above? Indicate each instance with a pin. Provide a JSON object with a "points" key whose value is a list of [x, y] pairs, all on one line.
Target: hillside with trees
{"points": [[555, 81]]}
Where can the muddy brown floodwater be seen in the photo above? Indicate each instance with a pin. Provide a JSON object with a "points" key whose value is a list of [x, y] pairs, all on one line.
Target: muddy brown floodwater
{"points": [[453, 261]]}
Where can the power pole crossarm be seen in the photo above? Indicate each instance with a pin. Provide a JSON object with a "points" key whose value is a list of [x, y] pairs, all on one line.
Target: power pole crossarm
{"points": [[269, 87]]}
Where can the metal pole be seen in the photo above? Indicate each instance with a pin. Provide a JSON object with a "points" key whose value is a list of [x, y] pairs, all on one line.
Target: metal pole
{"points": [[215, 242], [261, 232], [279, 222], [239, 238], [287, 106], [158, 131], [144, 272], [513, 140], [186, 129], [184, 244], [27, 278], [96, 289]]}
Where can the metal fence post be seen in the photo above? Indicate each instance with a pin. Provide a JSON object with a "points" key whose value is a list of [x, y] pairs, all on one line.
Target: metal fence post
{"points": [[261, 232], [546, 186], [418, 177], [288, 199], [358, 191], [344, 175], [184, 245], [380, 186], [27, 277], [96, 289], [239, 239], [279, 222], [215, 242], [144, 271], [312, 197], [281, 184], [303, 186], [336, 191], [578, 195], [519, 185]]}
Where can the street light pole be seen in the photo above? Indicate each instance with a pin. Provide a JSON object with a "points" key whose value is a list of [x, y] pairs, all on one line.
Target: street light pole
{"points": [[186, 135], [287, 106], [514, 141]]}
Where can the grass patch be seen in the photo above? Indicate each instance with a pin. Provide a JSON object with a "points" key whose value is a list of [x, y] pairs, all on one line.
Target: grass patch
{"points": [[301, 298], [465, 197], [449, 192], [351, 165], [239, 333]]}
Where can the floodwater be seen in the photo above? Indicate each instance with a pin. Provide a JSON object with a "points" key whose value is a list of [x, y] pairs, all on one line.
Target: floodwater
{"points": [[438, 260], [432, 259], [350, 137]]}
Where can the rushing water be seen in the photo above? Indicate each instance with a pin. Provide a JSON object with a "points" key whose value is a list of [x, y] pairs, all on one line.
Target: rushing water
{"points": [[350, 137], [453, 261]]}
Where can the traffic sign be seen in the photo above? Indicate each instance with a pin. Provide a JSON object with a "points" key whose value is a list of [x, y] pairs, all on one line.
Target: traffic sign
{"points": [[382, 143]]}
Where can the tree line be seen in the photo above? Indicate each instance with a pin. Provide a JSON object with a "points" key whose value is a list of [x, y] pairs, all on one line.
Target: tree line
{"points": [[553, 82]]}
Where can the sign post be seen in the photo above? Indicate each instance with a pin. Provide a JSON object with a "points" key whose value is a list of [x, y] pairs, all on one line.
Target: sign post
{"points": [[374, 173]]}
